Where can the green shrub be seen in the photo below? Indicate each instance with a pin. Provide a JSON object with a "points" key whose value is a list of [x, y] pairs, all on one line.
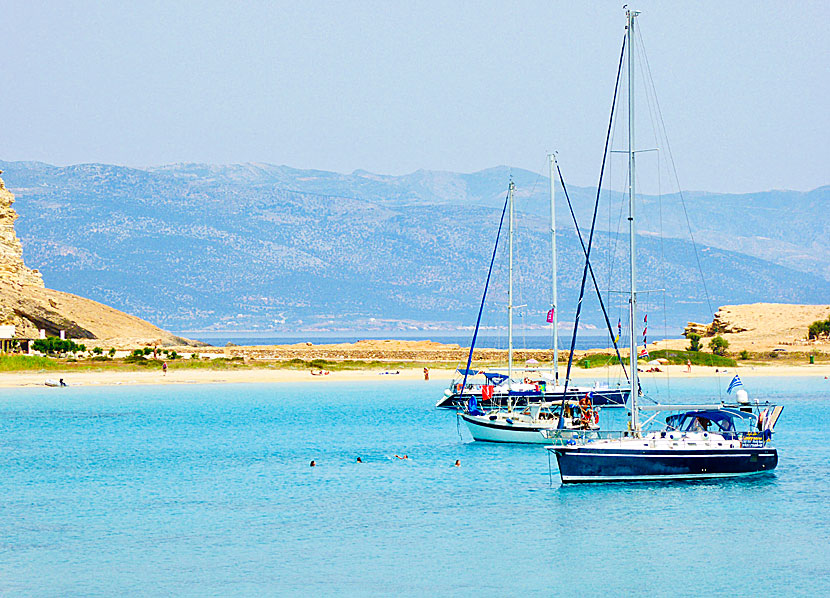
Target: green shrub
{"points": [[744, 354], [694, 341], [52, 345], [111, 352], [137, 353], [173, 355], [719, 345], [97, 350], [819, 328]]}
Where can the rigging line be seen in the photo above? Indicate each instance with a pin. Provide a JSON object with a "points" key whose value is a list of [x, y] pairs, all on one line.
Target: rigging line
{"points": [[679, 189], [676, 177], [560, 425], [593, 278], [484, 296], [663, 270]]}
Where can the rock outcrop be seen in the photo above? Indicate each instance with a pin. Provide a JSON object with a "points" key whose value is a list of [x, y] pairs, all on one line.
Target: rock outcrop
{"points": [[13, 271], [27, 304], [762, 326]]}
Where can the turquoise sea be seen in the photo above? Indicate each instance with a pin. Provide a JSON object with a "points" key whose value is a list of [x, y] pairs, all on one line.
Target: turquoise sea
{"points": [[207, 491]]}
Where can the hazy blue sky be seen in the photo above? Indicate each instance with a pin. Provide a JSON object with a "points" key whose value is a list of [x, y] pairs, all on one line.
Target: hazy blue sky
{"points": [[392, 87]]}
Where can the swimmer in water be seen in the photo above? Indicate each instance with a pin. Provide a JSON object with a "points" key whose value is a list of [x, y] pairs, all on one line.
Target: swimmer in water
{"points": [[359, 460], [312, 464], [457, 463]]}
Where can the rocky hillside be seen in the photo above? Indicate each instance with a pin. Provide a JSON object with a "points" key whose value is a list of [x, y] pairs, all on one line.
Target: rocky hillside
{"points": [[30, 307], [261, 247], [764, 326]]}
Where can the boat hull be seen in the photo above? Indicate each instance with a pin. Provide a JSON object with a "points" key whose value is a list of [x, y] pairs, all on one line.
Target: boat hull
{"points": [[486, 431], [585, 464], [601, 398]]}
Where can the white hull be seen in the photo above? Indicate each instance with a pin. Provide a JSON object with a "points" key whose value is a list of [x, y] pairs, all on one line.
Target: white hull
{"points": [[519, 433]]}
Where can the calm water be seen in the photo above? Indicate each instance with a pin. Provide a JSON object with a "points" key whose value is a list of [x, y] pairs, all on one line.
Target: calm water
{"points": [[206, 491], [538, 342]]}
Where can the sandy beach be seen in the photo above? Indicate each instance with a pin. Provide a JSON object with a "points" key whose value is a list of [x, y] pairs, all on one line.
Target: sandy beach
{"points": [[285, 376]]}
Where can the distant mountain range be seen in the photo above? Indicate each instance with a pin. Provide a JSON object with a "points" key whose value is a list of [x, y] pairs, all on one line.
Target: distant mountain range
{"points": [[257, 246]]}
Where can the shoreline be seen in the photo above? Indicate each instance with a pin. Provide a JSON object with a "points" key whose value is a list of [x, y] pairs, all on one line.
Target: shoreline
{"points": [[36, 379]]}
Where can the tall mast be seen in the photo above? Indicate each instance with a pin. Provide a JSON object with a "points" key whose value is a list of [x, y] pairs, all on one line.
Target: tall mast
{"points": [[510, 294], [635, 385], [552, 163]]}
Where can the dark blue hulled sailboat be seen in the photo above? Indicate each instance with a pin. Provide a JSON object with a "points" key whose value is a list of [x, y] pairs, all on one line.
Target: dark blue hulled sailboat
{"points": [[698, 441]]}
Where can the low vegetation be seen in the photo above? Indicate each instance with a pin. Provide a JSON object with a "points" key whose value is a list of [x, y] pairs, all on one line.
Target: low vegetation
{"points": [[694, 341], [819, 329], [719, 345], [674, 357], [52, 345], [24, 363]]}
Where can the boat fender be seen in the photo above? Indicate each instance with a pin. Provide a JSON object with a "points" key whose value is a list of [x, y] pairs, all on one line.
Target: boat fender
{"points": [[509, 421], [447, 393], [492, 418]]}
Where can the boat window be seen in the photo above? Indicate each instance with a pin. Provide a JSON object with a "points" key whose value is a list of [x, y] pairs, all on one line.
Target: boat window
{"points": [[704, 422]]}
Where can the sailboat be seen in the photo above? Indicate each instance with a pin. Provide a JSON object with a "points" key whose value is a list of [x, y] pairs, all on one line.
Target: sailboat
{"points": [[512, 417], [496, 389], [698, 441]]}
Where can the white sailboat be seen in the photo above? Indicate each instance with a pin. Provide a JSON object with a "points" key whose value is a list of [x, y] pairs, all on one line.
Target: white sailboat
{"points": [[499, 389], [526, 424]]}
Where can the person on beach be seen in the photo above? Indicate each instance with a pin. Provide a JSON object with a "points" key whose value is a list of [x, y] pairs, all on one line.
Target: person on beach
{"points": [[164, 368], [426, 373], [688, 366]]}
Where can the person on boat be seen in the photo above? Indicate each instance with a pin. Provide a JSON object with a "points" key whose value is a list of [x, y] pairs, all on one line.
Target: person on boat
{"points": [[702, 424]]}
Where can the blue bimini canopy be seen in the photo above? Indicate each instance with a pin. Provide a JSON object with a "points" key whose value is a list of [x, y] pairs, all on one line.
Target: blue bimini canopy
{"points": [[466, 372], [715, 420], [494, 378]]}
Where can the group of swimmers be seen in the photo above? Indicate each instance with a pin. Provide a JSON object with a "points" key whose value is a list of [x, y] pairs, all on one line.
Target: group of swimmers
{"points": [[403, 458]]}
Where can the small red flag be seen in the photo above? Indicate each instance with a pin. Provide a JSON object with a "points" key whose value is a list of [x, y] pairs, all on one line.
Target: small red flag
{"points": [[550, 314]]}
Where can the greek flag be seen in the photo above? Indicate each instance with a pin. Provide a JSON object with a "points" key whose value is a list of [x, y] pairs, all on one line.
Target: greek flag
{"points": [[736, 382]]}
